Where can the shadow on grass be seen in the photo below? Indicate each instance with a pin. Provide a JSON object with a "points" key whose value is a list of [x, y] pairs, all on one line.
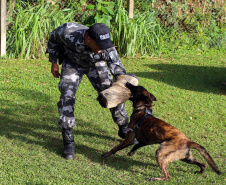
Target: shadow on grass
{"points": [[28, 118], [118, 161], [49, 137], [35, 124], [189, 77]]}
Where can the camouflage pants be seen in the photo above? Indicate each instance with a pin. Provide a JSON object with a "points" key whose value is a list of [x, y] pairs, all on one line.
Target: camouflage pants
{"points": [[71, 76]]}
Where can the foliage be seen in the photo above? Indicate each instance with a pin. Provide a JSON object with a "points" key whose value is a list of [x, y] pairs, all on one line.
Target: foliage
{"points": [[103, 12], [190, 97], [203, 40], [78, 7], [187, 15], [137, 36], [157, 26], [27, 32], [203, 24]]}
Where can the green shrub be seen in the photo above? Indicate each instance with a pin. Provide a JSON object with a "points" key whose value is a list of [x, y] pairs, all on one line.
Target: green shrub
{"points": [[27, 35], [137, 36], [157, 27], [192, 24]]}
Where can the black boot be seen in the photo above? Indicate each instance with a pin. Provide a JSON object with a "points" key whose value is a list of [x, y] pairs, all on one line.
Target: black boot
{"points": [[69, 144], [123, 129]]}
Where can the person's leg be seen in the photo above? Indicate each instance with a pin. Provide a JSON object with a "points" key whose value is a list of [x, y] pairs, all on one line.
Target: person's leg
{"points": [[71, 76], [120, 116], [101, 79]]}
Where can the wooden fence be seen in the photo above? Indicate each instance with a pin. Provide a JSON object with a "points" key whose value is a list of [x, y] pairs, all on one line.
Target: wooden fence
{"points": [[3, 28]]}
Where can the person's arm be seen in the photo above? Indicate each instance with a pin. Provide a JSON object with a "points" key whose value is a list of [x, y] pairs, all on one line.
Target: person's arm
{"points": [[114, 63], [54, 46], [54, 49], [112, 58]]}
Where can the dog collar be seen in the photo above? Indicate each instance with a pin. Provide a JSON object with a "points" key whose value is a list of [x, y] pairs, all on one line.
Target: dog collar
{"points": [[146, 108], [148, 114]]}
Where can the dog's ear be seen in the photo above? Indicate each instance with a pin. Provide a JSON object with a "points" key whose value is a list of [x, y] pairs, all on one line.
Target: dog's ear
{"points": [[129, 85], [153, 98], [150, 98]]}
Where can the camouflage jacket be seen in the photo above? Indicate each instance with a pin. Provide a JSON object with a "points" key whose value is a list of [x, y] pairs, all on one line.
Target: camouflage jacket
{"points": [[68, 41]]}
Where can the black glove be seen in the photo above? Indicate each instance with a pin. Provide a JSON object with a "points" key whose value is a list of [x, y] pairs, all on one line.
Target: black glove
{"points": [[103, 55]]}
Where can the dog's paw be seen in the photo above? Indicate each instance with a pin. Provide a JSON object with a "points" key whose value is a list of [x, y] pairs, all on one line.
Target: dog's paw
{"points": [[202, 170], [199, 172], [130, 153], [151, 179], [157, 178], [106, 154]]}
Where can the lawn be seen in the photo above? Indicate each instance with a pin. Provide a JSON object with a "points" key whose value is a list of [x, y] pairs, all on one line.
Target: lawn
{"points": [[190, 97]]}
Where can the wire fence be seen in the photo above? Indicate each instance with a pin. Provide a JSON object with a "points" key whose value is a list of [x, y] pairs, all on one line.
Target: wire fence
{"points": [[168, 12], [80, 6]]}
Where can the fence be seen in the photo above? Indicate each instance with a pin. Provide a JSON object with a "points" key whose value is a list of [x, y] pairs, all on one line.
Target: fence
{"points": [[3, 28]]}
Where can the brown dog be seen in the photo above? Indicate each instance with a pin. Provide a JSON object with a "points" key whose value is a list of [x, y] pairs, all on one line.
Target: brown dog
{"points": [[147, 129]]}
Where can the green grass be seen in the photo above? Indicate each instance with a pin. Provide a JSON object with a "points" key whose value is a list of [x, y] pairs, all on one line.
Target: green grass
{"points": [[190, 97]]}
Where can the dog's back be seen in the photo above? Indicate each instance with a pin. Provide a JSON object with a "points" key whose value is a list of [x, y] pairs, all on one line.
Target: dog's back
{"points": [[155, 131]]}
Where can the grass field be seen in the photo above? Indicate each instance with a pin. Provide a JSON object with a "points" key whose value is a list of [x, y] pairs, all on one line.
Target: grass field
{"points": [[190, 97]]}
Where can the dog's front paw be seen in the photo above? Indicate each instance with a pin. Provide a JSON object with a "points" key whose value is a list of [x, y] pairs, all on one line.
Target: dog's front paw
{"points": [[130, 153], [106, 154]]}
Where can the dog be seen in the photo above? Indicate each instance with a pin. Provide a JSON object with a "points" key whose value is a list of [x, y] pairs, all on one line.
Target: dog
{"points": [[148, 130]]}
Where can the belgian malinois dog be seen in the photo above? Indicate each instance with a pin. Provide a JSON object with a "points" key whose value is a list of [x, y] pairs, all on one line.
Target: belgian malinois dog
{"points": [[147, 130]]}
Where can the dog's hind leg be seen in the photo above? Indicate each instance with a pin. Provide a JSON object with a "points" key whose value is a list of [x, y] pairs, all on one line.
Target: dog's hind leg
{"points": [[191, 160], [166, 153], [137, 146], [162, 155]]}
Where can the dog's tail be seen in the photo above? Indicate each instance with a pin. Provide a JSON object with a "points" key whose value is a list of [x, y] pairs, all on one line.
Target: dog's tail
{"points": [[206, 155]]}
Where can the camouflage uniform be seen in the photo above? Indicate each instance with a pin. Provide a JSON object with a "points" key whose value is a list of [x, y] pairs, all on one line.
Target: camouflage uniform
{"points": [[66, 43]]}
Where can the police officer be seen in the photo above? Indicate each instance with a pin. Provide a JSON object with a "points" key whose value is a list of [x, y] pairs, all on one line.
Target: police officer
{"points": [[82, 50]]}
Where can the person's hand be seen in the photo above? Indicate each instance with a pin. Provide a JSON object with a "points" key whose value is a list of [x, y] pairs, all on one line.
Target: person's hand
{"points": [[105, 55], [55, 70], [101, 55]]}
